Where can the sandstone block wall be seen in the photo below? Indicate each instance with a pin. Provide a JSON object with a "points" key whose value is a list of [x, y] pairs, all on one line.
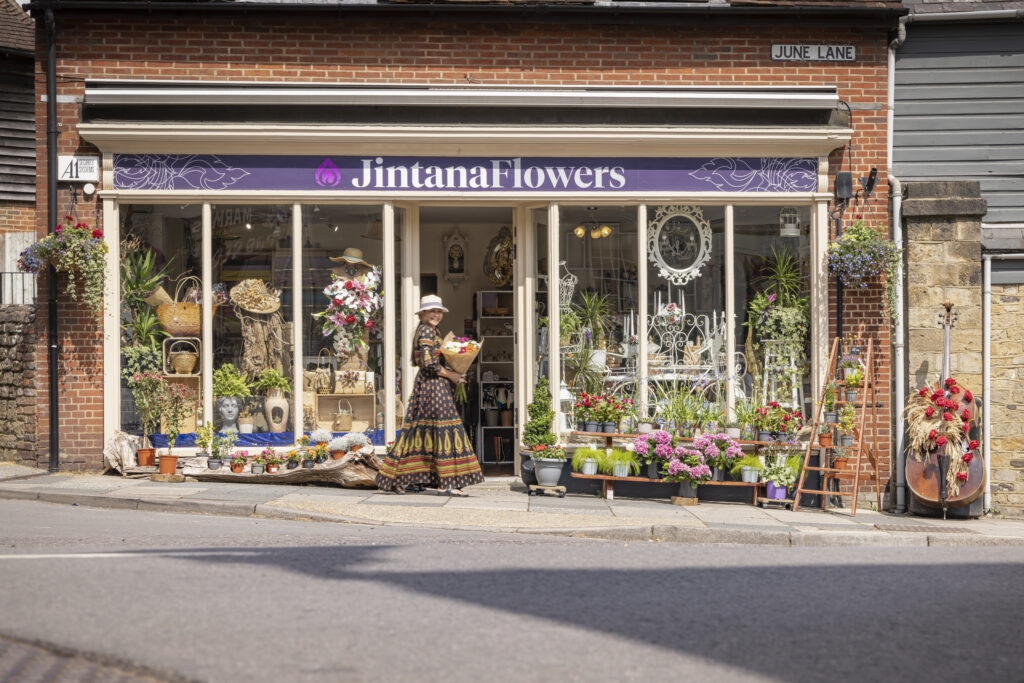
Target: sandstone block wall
{"points": [[1006, 404]]}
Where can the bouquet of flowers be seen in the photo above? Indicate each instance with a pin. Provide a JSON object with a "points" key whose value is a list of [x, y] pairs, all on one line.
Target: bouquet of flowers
{"points": [[459, 354], [352, 310], [76, 250], [718, 449]]}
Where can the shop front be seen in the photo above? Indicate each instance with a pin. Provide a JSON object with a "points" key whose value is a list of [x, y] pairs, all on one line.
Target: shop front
{"points": [[632, 269]]}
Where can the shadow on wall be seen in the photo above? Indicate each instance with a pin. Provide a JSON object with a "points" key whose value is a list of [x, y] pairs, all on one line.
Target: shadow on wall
{"points": [[794, 623], [921, 376]]}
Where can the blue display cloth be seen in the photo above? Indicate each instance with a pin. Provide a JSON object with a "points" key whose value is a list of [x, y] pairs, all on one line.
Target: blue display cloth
{"points": [[259, 439]]}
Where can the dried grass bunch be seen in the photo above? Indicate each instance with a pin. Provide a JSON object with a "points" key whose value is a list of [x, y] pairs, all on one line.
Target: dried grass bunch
{"points": [[941, 418]]}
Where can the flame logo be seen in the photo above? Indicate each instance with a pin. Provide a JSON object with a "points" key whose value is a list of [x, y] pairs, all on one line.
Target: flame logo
{"points": [[327, 175]]}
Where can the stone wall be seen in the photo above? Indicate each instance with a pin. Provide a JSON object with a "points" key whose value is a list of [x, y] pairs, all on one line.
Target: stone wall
{"points": [[18, 409], [942, 224], [1007, 401]]}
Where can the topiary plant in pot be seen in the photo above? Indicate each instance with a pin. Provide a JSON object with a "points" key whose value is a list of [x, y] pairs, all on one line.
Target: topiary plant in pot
{"points": [[537, 432]]}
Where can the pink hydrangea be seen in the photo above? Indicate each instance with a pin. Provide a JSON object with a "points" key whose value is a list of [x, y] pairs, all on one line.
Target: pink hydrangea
{"points": [[662, 450], [662, 437], [641, 446]]}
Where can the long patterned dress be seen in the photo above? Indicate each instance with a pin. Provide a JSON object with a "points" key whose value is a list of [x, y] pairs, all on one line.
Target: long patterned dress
{"points": [[433, 449]]}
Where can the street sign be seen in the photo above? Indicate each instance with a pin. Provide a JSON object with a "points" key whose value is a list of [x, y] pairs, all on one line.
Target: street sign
{"points": [[78, 169]]}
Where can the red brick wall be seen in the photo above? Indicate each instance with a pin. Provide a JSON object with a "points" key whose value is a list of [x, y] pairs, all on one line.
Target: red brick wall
{"points": [[331, 49], [17, 217]]}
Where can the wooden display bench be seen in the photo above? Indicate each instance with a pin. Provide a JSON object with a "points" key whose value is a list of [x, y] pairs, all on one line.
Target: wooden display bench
{"points": [[608, 484], [609, 437], [364, 410]]}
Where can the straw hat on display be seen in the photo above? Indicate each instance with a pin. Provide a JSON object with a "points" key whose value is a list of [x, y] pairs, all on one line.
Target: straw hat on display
{"points": [[253, 296], [351, 255], [431, 302]]}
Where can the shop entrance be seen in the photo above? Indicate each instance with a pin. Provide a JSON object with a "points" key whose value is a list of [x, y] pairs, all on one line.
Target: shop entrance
{"points": [[467, 257]]}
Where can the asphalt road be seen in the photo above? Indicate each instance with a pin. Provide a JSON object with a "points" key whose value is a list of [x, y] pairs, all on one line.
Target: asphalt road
{"points": [[230, 599]]}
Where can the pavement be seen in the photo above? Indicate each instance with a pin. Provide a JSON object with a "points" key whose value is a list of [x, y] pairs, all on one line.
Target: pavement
{"points": [[501, 505]]}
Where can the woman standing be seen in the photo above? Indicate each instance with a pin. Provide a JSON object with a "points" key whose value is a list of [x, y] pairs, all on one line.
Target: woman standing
{"points": [[433, 448]]}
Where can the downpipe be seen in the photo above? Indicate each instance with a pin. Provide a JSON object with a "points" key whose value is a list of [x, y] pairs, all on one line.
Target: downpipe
{"points": [[899, 349], [51, 217]]}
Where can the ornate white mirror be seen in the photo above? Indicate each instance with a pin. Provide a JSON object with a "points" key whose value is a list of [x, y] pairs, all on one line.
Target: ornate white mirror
{"points": [[679, 242]]}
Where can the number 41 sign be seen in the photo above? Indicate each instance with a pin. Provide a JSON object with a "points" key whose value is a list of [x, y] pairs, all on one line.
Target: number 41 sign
{"points": [[76, 169]]}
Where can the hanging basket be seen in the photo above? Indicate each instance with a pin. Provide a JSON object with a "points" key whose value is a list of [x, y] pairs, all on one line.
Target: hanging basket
{"points": [[181, 318]]}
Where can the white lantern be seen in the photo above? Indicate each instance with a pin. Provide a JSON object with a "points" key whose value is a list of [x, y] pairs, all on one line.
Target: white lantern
{"points": [[789, 222], [565, 406]]}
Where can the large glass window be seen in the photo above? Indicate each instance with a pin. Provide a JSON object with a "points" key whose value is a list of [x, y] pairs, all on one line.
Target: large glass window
{"points": [[598, 296], [772, 281], [161, 322], [342, 301], [252, 322]]}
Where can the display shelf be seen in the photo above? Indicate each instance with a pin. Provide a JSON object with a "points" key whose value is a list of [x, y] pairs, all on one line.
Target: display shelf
{"points": [[364, 410], [493, 312]]}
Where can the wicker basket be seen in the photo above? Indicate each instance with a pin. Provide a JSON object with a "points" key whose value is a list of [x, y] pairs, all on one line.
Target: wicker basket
{"points": [[343, 420], [181, 318], [183, 362]]}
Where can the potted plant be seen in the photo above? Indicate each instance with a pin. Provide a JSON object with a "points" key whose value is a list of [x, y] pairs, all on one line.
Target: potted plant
{"points": [[338, 447], [320, 436], [687, 467], [746, 417], [308, 458], [320, 452], [852, 382], [275, 406], [585, 411], [176, 404], [779, 477], [719, 451], [245, 420], [272, 460], [238, 460], [847, 423], [829, 404], [619, 463], [847, 364], [608, 412], [292, 458], [204, 440], [734, 429], [547, 463], [229, 390], [537, 430], [585, 460], [748, 468], [825, 436], [259, 464], [839, 458], [148, 388], [655, 449]]}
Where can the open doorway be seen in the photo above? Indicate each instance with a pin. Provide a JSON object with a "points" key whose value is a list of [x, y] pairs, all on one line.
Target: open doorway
{"points": [[466, 257]]}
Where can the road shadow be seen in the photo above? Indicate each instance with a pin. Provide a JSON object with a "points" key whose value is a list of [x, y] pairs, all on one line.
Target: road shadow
{"points": [[798, 623]]}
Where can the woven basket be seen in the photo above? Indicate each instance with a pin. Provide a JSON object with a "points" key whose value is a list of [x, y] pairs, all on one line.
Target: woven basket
{"points": [[323, 378], [183, 362], [182, 318], [343, 420]]}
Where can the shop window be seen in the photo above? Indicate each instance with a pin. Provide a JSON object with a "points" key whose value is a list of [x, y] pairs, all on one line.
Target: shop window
{"points": [[773, 328], [342, 316], [687, 349], [598, 299], [161, 322], [252, 321]]}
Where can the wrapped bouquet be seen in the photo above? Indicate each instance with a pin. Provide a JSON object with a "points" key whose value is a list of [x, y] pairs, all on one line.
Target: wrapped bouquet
{"points": [[459, 354]]}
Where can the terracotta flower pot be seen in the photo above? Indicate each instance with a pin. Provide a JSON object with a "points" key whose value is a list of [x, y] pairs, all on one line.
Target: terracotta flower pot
{"points": [[146, 457], [825, 440], [237, 467], [168, 464], [840, 463], [273, 469], [337, 455]]}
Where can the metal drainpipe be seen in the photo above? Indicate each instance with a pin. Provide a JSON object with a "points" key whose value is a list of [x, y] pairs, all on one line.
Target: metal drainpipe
{"points": [[986, 365], [51, 216], [899, 349]]}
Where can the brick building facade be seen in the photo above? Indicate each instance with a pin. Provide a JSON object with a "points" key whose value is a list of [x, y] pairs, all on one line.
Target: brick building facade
{"points": [[479, 46]]}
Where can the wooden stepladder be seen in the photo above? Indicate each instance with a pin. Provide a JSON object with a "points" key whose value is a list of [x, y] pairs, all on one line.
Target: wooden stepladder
{"points": [[860, 447]]}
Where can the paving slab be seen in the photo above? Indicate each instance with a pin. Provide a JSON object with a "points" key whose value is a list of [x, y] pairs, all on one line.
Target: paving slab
{"points": [[155, 490], [476, 503], [9, 470]]}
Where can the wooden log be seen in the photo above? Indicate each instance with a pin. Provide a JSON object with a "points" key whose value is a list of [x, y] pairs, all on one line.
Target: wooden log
{"points": [[356, 469]]}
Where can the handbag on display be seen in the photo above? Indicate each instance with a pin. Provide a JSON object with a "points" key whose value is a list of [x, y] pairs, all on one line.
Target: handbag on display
{"points": [[323, 377], [343, 419]]}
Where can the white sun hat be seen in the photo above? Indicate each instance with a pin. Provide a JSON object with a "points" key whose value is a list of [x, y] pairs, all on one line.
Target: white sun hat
{"points": [[431, 302]]}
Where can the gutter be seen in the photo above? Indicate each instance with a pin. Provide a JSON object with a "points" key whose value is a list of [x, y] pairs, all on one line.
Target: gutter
{"points": [[899, 349], [984, 15]]}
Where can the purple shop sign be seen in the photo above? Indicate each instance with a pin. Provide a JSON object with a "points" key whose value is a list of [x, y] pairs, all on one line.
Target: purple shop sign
{"points": [[462, 174]]}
